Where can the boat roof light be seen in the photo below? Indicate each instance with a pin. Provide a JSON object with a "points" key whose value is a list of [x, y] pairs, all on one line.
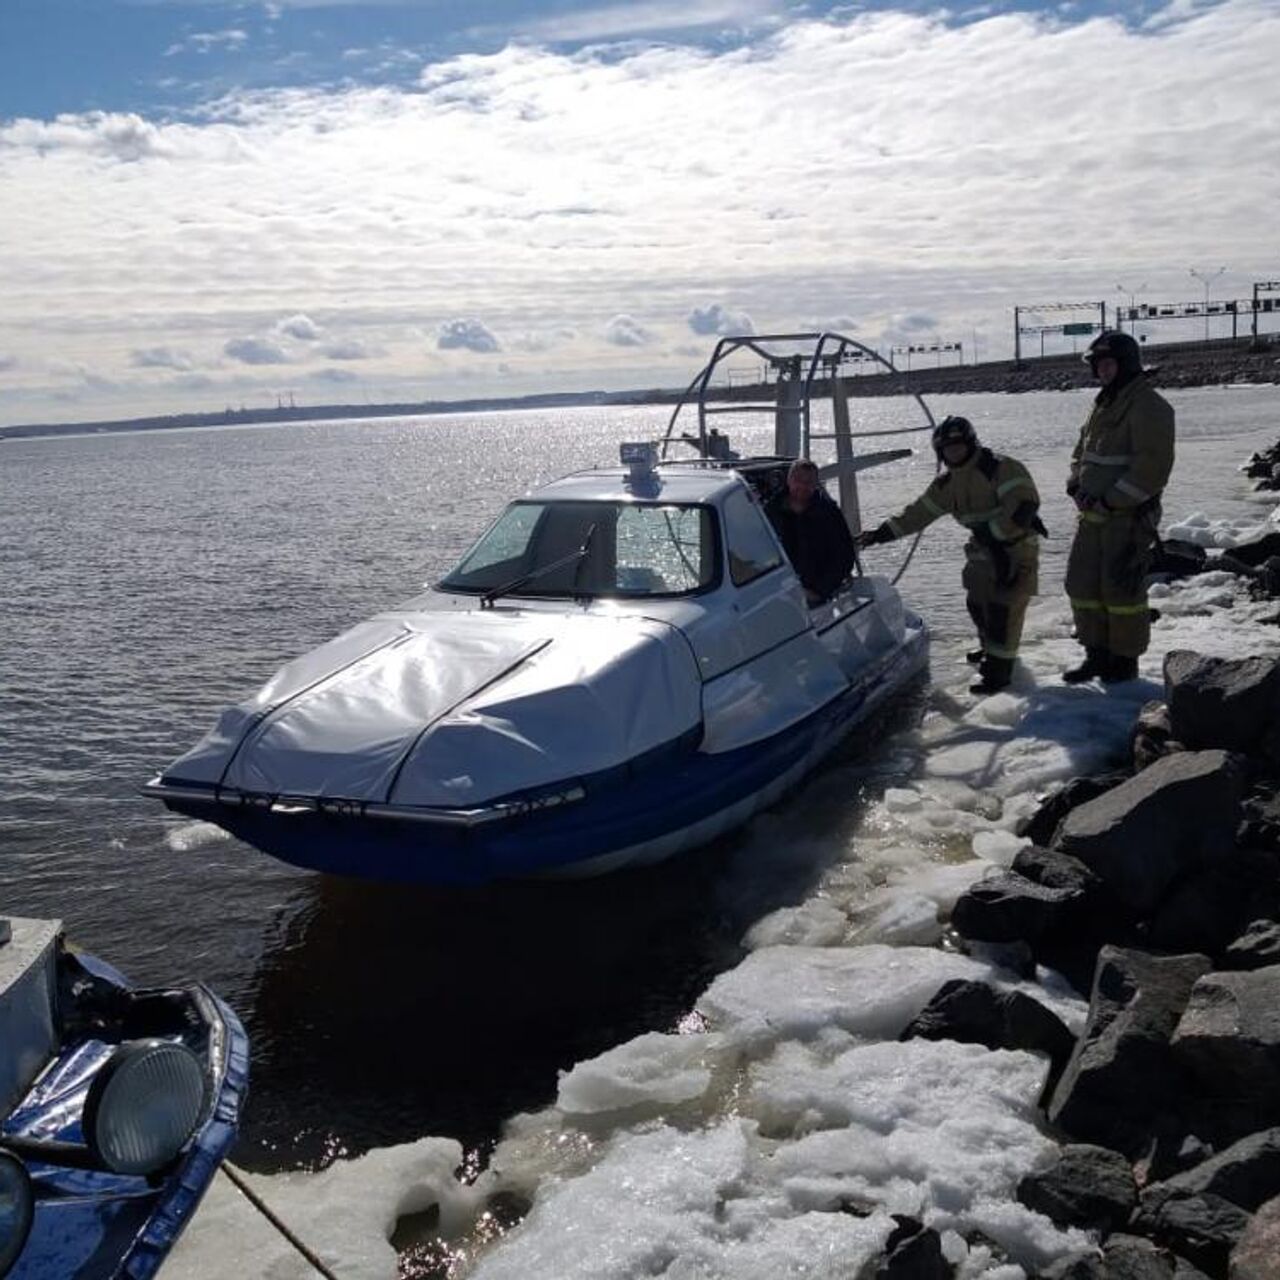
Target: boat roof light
{"points": [[641, 456]]}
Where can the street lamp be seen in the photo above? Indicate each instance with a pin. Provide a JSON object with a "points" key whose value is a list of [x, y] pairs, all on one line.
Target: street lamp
{"points": [[1207, 280], [1133, 324]]}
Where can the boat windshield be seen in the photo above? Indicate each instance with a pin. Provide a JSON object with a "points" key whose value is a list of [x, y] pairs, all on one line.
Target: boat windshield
{"points": [[592, 549]]}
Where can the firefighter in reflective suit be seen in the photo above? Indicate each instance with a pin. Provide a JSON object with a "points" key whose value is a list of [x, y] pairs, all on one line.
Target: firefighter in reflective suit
{"points": [[1118, 469], [996, 500]]}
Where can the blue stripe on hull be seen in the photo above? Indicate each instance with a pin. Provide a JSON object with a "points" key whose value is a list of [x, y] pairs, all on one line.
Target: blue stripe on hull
{"points": [[624, 809]]}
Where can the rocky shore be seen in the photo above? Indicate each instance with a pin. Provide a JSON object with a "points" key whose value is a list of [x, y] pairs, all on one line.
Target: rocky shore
{"points": [[1156, 889]]}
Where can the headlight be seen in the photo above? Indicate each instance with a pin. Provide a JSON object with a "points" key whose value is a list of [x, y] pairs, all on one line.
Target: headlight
{"points": [[16, 1208], [144, 1105]]}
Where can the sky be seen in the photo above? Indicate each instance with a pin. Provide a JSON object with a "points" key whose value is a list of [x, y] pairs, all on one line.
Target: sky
{"points": [[331, 201]]}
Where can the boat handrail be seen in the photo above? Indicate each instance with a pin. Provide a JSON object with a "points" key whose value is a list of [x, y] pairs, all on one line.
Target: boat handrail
{"points": [[801, 373], [821, 364]]}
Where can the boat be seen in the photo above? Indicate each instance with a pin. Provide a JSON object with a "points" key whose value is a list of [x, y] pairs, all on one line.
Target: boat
{"points": [[117, 1104], [624, 666]]}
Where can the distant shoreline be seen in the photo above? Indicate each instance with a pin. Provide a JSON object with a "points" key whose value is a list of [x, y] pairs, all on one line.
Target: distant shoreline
{"points": [[1179, 365]]}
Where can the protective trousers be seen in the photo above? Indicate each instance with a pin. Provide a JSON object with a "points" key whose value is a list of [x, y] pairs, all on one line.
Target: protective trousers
{"points": [[997, 592], [1106, 581]]}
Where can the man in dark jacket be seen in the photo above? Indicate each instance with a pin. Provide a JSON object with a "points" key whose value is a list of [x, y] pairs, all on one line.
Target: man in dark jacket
{"points": [[1119, 467], [813, 532], [995, 498]]}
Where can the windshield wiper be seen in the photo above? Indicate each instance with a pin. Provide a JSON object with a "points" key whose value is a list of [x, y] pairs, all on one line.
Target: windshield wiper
{"points": [[486, 600]]}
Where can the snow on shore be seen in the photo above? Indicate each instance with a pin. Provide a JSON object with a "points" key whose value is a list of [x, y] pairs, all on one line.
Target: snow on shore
{"points": [[777, 1132]]}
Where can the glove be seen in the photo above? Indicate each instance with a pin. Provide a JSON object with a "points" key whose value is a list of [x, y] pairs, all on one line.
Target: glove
{"points": [[1027, 516], [873, 537]]}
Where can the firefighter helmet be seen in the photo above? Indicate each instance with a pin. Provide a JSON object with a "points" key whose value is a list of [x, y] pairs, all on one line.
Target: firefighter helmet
{"points": [[1121, 347], [955, 430]]}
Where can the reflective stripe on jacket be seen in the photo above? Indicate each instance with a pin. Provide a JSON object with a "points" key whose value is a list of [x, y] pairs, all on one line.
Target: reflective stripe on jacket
{"points": [[1125, 450], [982, 495]]}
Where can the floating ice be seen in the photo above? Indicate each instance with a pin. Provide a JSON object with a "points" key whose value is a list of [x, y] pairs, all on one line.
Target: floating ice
{"points": [[999, 847], [346, 1215], [786, 993], [700, 1206], [892, 916], [938, 1130], [194, 835], [652, 1070], [816, 923]]}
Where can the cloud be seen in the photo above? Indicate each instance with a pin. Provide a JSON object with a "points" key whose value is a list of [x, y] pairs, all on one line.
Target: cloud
{"points": [[299, 326], [623, 331], [348, 349], [333, 375], [7, 362], [466, 335], [120, 135], [160, 358], [205, 41], [255, 351], [716, 319], [915, 323], [934, 183], [611, 22]]}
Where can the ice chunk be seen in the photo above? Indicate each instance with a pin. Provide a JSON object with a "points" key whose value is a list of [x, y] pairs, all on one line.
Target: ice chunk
{"points": [[653, 1070], [898, 917], [901, 800], [693, 1205], [793, 992], [1000, 847], [345, 1215], [816, 923], [936, 1129]]}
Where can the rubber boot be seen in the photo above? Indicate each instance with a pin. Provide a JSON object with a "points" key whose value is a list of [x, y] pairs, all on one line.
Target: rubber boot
{"points": [[1120, 669], [996, 674], [1097, 662], [975, 656]]}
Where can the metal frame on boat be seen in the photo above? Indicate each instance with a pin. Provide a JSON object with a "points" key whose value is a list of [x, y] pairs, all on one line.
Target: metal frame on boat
{"points": [[549, 709]]}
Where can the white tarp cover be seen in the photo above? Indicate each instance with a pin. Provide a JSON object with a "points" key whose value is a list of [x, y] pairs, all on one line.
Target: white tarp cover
{"points": [[455, 709]]}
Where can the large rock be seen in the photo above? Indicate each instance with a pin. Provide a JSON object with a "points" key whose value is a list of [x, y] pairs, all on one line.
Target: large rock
{"points": [[1006, 907], [1247, 1173], [1260, 818], [1209, 909], [1055, 869], [1073, 939], [1042, 826], [1124, 1257], [1086, 1187], [1229, 1040], [1175, 558], [1258, 550], [1257, 1252], [975, 1013], [1149, 831], [1203, 1228], [1122, 1073], [1221, 702]]}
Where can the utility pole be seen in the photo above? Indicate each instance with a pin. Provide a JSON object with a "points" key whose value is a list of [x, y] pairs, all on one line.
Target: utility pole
{"points": [[1207, 280]]}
